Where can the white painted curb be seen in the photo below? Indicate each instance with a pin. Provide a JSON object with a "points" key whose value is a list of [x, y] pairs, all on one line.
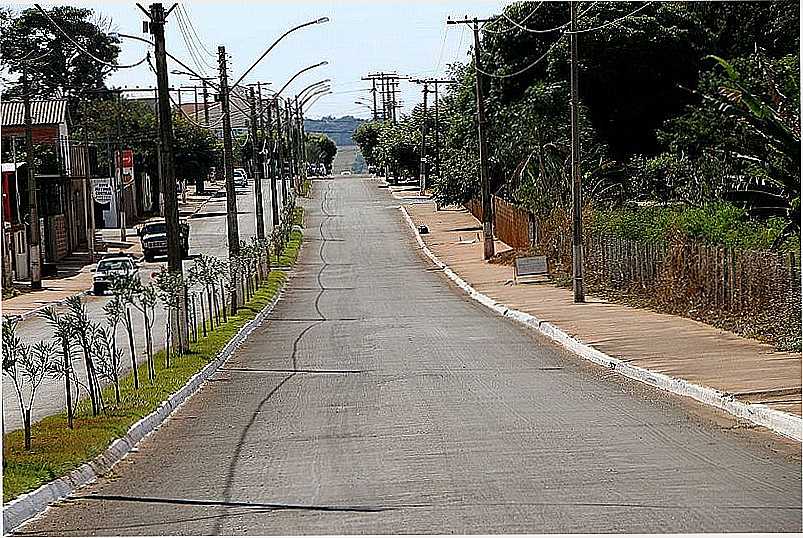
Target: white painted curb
{"points": [[35, 503], [784, 423]]}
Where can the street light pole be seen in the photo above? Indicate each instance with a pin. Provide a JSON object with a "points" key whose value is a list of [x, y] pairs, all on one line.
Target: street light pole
{"points": [[255, 155]]}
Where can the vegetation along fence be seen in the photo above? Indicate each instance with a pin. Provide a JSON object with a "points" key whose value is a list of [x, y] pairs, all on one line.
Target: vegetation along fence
{"points": [[678, 276]]}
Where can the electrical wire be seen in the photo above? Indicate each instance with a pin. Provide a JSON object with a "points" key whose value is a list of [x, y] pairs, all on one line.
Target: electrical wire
{"points": [[515, 24], [81, 49], [187, 116], [200, 42], [524, 69], [190, 45], [443, 47], [610, 22]]}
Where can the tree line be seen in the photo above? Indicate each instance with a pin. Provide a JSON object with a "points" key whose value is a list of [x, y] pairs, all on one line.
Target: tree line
{"points": [[683, 104]]}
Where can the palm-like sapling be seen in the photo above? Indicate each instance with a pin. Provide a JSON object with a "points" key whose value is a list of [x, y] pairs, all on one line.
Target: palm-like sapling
{"points": [[27, 367]]}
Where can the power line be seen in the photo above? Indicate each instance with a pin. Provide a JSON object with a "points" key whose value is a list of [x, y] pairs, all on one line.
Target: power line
{"points": [[524, 69], [188, 18], [517, 24], [611, 22], [82, 49]]}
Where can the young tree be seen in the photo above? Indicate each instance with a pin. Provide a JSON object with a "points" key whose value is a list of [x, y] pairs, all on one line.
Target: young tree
{"points": [[146, 304], [64, 333], [26, 366], [83, 330], [107, 356], [170, 287], [125, 290]]}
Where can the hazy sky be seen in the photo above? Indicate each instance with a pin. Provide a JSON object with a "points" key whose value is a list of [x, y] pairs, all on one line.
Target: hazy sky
{"points": [[409, 37]]}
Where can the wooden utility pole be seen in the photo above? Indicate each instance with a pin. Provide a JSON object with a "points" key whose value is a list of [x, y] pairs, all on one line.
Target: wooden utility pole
{"points": [[89, 200], [577, 201], [34, 250], [280, 145], [423, 172], [255, 155], [291, 158], [373, 94], [273, 169], [228, 167], [167, 168], [485, 182]]}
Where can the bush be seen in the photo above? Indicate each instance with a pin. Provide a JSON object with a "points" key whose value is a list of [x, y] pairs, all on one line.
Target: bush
{"points": [[715, 224]]}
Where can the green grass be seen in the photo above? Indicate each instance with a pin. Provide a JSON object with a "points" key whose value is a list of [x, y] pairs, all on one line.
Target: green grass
{"points": [[57, 450]]}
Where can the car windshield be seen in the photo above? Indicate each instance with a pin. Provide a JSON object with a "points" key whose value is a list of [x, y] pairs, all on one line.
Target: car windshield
{"points": [[114, 265], [155, 228]]}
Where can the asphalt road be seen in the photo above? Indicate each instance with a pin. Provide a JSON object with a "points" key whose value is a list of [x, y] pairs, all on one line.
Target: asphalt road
{"points": [[379, 399], [207, 235]]}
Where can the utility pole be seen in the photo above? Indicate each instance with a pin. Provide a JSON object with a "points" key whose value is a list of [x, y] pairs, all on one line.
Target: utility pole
{"points": [[206, 103], [89, 200], [34, 250], [118, 172], [280, 143], [167, 169], [487, 206], [228, 166], [373, 94], [577, 202], [291, 158], [424, 143], [255, 155], [274, 169]]}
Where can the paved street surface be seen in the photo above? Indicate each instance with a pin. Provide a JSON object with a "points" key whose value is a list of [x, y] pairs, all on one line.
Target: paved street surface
{"points": [[207, 235], [379, 399]]}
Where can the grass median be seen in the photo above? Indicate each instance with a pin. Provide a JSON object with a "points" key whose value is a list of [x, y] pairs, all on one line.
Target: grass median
{"points": [[57, 450]]}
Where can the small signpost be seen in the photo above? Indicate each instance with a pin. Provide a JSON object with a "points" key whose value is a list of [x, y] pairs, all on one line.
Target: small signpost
{"points": [[534, 266]]}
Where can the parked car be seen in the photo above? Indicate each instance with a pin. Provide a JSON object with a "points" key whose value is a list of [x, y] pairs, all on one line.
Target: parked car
{"points": [[108, 269], [153, 235], [240, 178], [345, 173]]}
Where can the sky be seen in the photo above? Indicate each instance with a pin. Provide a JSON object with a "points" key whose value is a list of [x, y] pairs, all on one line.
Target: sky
{"points": [[408, 37]]}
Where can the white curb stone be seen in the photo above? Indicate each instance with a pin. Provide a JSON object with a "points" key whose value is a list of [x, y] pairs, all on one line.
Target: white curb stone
{"points": [[785, 424], [35, 503]]}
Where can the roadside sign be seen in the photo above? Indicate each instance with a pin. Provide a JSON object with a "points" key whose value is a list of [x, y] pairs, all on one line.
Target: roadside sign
{"points": [[102, 190]]}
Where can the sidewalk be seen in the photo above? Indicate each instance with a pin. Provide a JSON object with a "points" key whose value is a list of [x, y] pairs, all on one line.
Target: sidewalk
{"points": [[678, 347], [74, 274]]}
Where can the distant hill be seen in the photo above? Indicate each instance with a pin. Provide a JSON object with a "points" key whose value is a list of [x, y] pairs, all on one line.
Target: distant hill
{"points": [[338, 129]]}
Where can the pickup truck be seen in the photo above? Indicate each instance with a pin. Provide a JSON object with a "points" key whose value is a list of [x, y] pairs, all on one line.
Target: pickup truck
{"points": [[153, 235]]}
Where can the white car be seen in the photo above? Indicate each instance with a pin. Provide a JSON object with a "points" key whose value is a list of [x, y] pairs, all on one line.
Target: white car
{"points": [[108, 269], [345, 173], [240, 178]]}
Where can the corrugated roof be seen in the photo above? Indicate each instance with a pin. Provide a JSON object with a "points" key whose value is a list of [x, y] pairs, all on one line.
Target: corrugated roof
{"points": [[43, 112]]}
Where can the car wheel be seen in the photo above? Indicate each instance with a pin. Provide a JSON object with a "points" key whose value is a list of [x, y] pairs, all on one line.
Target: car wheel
{"points": [[97, 290], [148, 257]]}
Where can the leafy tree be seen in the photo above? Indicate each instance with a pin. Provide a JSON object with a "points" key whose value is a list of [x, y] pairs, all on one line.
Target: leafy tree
{"points": [[367, 138], [320, 149], [197, 150], [55, 65]]}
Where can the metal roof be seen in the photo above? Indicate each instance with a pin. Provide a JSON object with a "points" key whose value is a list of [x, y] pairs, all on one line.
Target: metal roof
{"points": [[43, 112]]}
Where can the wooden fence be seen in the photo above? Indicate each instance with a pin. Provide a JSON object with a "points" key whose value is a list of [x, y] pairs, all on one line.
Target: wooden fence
{"points": [[679, 276]]}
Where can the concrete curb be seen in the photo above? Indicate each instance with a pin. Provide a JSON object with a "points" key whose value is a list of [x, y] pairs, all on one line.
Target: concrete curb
{"points": [[783, 423], [35, 503]]}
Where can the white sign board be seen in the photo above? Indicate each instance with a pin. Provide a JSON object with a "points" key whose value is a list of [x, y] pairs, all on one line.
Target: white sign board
{"points": [[102, 190]]}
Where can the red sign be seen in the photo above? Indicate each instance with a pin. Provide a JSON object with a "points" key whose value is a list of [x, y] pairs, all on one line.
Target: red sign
{"points": [[128, 158]]}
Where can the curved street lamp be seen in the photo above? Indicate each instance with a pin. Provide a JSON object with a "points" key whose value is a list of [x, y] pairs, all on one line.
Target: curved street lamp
{"points": [[301, 95], [286, 84], [291, 30], [318, 96]]}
